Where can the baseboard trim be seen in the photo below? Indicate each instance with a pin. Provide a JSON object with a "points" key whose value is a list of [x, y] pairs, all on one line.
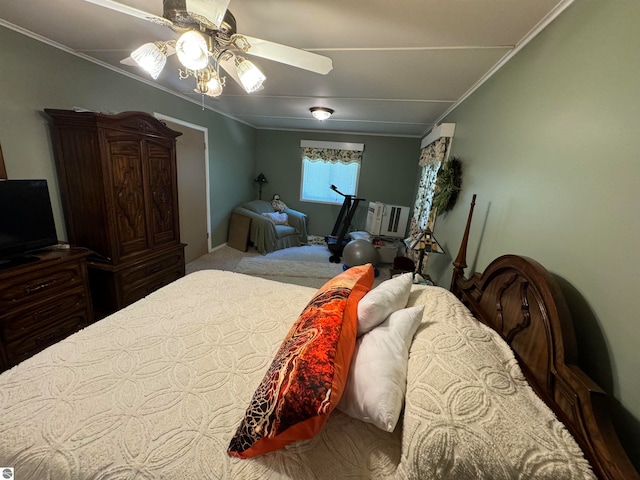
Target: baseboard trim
{"points": [[222, 245]]}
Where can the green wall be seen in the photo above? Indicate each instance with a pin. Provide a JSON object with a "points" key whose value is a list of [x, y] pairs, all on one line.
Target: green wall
{"points": [[35, 76], [550, 144], [388, 173]]}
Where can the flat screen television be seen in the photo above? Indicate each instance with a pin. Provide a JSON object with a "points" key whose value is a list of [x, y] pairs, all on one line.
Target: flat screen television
{"points": [[26, 220]]}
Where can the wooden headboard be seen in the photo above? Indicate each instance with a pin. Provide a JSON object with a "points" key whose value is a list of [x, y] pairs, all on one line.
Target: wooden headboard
{"points": [[3, 170], [522, 301]]}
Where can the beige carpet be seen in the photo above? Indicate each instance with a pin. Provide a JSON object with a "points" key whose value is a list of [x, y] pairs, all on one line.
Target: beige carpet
{"points": [[307, 265]]}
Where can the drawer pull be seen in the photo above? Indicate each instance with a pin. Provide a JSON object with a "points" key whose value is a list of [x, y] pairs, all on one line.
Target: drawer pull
{"points": [[36, 288], [48, 337], [155, 269]]}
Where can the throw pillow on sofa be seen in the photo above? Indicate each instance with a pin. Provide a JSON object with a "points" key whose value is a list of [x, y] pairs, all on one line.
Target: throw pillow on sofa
{"points": [[277, 218]]}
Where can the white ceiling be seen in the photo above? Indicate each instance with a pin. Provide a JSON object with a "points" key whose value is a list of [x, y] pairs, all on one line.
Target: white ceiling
{"points": [[396, 70]]}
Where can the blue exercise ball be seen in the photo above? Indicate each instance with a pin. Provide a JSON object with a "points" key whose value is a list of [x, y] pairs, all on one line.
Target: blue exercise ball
{"points": [[359, 252]]}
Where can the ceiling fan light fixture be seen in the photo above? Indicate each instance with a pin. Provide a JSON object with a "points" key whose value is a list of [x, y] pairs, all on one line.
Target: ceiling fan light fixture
{"points": [[209, 41], [214, 86], [249, 75], [321, 113], [207, 81], [192, 51], [151, 58]]}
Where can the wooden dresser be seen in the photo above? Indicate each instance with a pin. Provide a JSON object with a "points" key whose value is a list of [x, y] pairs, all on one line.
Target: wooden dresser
{"points": [[118, 183], [42, 302]]}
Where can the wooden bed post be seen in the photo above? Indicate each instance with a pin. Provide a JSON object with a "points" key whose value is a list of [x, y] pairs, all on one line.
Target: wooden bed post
{"points": [[460, 263]]}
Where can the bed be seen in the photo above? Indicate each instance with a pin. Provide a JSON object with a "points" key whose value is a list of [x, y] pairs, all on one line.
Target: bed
{"points": [[156, 390]]}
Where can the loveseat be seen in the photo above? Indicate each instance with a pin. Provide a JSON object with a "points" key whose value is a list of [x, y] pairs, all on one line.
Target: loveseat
{"points": [[265, 235]]}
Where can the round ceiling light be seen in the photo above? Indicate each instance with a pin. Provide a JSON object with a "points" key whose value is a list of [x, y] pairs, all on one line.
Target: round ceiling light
{"points": [[192, 52], [321, 113]]}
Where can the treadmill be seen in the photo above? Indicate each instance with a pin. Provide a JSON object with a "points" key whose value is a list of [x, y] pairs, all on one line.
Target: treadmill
{"points": [[340, 234]]}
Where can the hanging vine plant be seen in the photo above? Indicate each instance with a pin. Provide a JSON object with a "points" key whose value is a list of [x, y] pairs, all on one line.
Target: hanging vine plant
{"points": [[448, 185]]}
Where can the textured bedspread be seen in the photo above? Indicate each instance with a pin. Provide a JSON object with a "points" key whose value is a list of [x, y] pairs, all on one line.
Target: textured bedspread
{"points": [[157, 390]]}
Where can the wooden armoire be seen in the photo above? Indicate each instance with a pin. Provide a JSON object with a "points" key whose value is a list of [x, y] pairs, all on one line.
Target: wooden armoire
{"points": [[118, 183]]}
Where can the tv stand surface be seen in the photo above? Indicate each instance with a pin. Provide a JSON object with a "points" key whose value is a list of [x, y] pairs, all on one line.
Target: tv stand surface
{"points": [[42, 302], [17, 260]]}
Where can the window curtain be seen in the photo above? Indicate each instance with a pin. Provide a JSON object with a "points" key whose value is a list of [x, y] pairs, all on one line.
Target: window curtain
{"points": [[319, 153], [431, 158]]}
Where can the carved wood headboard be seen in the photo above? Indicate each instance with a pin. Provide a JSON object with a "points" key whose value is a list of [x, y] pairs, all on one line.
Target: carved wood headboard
{"points": [[522, 301], [3, 170]]}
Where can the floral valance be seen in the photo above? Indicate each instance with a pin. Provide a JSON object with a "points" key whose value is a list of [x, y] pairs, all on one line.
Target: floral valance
{"points": [[434, 153], [332, 151], [331, 155]]}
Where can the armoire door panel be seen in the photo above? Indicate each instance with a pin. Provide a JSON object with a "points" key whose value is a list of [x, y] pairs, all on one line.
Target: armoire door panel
{"points": [[127, 185], [162, 192], [81, 179]]}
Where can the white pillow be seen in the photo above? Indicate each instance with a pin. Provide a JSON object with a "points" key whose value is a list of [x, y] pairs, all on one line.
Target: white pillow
{"points": [[361, 236], [277, 218], [386, 298], [377, 381]]}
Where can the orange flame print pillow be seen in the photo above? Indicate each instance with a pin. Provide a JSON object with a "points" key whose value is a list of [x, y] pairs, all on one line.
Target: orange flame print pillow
{"points": [[307, 376]]}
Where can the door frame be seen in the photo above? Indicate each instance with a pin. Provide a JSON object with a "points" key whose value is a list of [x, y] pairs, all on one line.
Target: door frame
{"points": [[205, 131]]}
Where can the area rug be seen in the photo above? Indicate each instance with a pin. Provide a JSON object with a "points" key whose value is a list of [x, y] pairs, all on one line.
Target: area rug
{"points": [[305, 253], [307, 265]]}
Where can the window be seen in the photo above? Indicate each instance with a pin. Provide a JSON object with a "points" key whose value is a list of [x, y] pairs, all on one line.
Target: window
{"points": [[318, 176], [329, 163]]}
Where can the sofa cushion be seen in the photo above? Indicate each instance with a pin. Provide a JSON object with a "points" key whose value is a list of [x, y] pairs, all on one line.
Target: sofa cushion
{"points": [[284, 230]]}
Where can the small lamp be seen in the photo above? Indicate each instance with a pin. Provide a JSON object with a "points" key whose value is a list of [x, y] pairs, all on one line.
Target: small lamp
{"points": [[260, 180], [424, 242]]}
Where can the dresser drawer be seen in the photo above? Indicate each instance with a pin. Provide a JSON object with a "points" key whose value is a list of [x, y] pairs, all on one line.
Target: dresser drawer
{"points": [[50, 332], [140, 273], [36, 285], [42, 302], [35, 317], [151, 285]]}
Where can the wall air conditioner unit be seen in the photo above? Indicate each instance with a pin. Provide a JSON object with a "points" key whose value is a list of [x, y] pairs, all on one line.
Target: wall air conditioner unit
{"points": [[387, 220]]}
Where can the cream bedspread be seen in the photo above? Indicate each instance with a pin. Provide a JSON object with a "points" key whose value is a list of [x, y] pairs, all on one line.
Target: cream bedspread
{"points": [[157, 390]]}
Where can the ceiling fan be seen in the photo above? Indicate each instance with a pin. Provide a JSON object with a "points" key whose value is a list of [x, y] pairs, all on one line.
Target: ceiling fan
{"points": [[209, 41]]}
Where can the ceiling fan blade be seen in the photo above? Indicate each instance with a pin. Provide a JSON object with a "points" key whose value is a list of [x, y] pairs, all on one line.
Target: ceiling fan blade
{"points": [[134, 12], [288, 55], [208, 12], [229, 67]]}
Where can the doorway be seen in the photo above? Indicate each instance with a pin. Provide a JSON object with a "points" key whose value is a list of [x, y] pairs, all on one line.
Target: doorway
{"points": [[193, 186]]}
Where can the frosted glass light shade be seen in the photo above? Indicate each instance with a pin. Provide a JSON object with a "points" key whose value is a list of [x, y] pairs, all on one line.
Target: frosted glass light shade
{"points": [[151, 58], [214, 87], [192, 52], [249, 75]]}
